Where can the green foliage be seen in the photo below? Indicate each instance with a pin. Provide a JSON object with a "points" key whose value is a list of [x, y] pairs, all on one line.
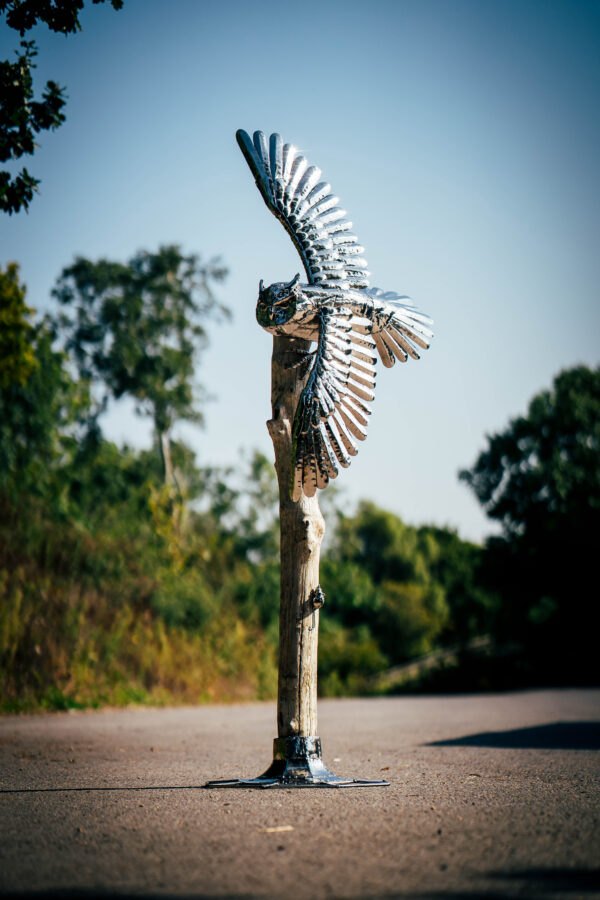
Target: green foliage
{"points": [[380, 543], [59, 15], [540, 478], [114, 588], [404, 605], [17, 358], [410, 619], [39, 414], [394, 592], [457, 566], [543, 469], [22, 117], [117, 606], [347, 658]]}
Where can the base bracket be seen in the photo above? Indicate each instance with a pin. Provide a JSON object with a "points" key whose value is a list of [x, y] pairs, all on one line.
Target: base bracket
{"points": [[297, 763]]}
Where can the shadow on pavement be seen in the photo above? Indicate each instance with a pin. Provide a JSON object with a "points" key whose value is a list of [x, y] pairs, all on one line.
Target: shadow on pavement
{"points": [[527, 884], [534, 883], [106, 893], [91, 787], [556, 736], [546, 880]]}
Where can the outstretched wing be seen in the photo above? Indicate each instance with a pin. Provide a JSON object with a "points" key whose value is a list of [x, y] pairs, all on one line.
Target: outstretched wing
{"points": [[332, 412], [307, 209]]}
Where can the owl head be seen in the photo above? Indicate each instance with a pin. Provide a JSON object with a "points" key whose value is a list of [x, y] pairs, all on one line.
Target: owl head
{"points": [[277, 303]]}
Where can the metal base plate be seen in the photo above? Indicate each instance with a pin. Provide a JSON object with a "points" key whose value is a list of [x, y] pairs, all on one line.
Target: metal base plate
{"points": [[296, 763]]}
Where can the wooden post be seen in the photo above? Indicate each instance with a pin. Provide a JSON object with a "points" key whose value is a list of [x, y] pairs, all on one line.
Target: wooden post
{"points": [[302, 529], [297, 760]]}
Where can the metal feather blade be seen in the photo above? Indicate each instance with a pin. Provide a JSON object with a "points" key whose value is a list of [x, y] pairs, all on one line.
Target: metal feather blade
{"points": [[319, 208], [307, 182], [336, 446], [344, 237], [318, 193], [402, 342], [262, 152], [367, 380], [352, 426], [298, 168], [330, 457], [387, 357], [393, 347], [358, 407], [276, 158], [255, 164], [344, 435], [360, 392], [331, 215], [337, 227], [309, 469], [297, 475], [288, 156], [321, 459]]}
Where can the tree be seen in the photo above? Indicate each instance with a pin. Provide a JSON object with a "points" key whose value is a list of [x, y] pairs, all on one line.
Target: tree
{"points": [[544, 468], [22, 117], [136, 329], [540, 478], [40, 405], [17, 357]]}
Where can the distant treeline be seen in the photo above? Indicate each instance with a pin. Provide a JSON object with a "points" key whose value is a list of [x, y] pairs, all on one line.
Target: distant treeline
{"points": [[140, 576]]}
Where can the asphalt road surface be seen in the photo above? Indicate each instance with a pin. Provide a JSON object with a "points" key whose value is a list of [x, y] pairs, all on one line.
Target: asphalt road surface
{"points": [[490, 796]]}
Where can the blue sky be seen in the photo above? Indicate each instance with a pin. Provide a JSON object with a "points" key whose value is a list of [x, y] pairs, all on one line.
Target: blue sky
{"points": [[463, 139]]}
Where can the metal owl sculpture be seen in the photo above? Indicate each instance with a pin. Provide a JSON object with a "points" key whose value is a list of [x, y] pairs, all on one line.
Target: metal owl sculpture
{"points": [[336, 308]]}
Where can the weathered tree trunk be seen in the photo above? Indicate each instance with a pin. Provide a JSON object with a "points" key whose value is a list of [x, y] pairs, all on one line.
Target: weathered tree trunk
{"points": [[297, 760], [302, 529]]}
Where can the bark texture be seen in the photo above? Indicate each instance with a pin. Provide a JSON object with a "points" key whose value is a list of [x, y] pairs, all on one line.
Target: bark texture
{"points": [[302, 528]]}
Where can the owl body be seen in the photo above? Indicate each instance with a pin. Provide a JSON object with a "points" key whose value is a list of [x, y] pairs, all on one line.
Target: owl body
{"points": [[293, 309]]}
